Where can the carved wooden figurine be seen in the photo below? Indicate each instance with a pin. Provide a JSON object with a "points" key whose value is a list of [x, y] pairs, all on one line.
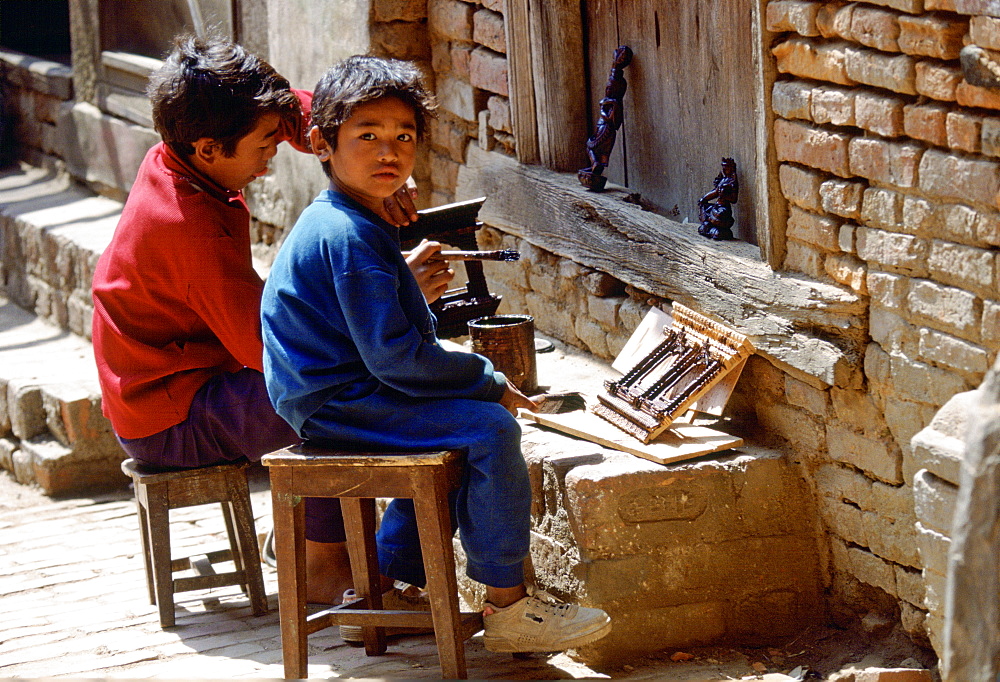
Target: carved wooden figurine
{"points": [[715, 208], [610, 119]]}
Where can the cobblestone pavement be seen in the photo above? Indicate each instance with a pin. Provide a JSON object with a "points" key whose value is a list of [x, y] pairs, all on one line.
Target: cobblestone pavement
{"points": [[75, 605]]}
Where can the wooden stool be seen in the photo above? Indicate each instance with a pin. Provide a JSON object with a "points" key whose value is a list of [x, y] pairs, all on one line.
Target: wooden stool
{"points": [[157, 491], [357, 479]]}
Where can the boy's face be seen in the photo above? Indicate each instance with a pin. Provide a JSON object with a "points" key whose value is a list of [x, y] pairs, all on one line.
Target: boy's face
{"points": [[253, 152], [376, 150]]}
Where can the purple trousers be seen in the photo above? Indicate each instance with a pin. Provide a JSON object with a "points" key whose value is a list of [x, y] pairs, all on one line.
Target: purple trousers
{"points": [[231, 420]]}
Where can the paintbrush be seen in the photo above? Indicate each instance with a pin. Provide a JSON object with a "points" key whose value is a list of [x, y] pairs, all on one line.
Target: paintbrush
{"points": [[558, 403], [500, 255]]}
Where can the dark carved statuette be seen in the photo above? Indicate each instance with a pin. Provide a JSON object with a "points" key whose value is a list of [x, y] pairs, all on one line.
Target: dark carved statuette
{"points": [[715, 209], [609, 120]]}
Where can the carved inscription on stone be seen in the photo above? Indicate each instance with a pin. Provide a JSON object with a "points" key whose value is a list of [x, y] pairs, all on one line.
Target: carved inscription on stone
{"points": [[676, 503]]}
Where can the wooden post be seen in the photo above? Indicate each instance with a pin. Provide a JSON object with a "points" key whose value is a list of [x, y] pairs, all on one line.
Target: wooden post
{"points": [[519, 74], [546, 70], [85, 42], [771, 209]]}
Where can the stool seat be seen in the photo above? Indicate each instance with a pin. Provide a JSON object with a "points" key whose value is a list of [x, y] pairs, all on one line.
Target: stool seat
{"points": [[357, 479], [157, 491]]}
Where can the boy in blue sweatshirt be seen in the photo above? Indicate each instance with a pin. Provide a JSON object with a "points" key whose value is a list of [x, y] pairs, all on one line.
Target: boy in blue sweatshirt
{"points": [[351, 356]]}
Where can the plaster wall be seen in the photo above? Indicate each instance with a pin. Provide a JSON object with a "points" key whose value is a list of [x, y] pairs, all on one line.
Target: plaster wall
{"points": [[304, 38]]}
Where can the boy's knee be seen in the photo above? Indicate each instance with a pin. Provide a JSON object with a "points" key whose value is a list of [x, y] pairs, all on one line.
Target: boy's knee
{"points": [[502, 424]]}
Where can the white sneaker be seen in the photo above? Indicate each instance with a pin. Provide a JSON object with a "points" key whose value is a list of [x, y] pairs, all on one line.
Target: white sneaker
{"points": [[400, 597], [540, 622]]}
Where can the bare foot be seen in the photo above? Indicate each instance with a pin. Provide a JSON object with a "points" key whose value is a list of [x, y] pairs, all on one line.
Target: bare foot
{"points": [[328, 572]]}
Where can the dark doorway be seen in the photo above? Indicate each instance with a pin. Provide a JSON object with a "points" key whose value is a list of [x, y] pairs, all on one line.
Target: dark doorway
{"points": [[39, 28]]}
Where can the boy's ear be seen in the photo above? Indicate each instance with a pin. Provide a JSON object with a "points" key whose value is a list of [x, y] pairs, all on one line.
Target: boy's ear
{"points": [[206, 149], [321, 148]]}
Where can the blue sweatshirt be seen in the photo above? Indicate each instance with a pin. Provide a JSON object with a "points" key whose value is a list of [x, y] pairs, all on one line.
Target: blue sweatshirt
{"points": [[343, 317]]}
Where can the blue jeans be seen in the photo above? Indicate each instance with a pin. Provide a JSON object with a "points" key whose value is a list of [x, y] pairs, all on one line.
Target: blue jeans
{"points": [[493, 504]]}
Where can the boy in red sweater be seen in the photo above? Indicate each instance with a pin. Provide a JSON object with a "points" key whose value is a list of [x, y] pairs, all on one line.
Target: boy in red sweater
{"points": [[176, 326]]}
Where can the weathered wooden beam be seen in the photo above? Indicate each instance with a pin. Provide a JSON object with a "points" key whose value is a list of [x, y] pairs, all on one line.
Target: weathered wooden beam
{"points": [[86, 48], [815, 328]]}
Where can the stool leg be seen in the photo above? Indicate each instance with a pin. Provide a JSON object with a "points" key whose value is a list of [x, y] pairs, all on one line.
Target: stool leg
{"points": [[359, 526], [140, 509], [289, 517], [228, 516], [158, 515], [434, 527], [247, 553]]}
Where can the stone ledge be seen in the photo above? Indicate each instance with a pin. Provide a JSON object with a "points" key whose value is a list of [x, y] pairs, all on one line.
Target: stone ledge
{"points": [[940, 446], [53, 233], [102, 150], [688, 554], [50, 78]]}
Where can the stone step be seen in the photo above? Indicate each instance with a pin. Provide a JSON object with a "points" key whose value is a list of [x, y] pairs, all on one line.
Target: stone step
{"points": [[52, 432], [52, 231]]}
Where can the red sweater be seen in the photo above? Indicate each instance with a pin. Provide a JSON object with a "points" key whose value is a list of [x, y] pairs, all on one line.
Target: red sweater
{"points": [[176, 298]]}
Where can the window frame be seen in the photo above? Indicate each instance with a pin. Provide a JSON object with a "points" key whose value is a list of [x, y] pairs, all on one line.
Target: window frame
{"points": [[113, 80]]}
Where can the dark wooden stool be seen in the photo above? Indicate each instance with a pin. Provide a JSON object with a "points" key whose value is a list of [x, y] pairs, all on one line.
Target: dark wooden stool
{"points": [[157, 491], [357, 479]]}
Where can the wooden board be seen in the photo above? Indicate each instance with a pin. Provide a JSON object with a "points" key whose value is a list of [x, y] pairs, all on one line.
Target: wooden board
{"points": [[714, 401], [545, 70], [520, 80], [680, 442], [644, 339]]}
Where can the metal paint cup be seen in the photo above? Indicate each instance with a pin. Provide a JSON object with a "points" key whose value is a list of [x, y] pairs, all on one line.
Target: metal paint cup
{"points": [[509, 342]]}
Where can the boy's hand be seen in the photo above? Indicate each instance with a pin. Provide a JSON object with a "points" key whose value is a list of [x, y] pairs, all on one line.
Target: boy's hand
{"points": [[431, 272], [399, 208], [513, 399]]}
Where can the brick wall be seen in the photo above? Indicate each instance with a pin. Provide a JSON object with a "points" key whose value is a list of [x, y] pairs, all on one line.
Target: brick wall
{"points": [[890, 169], [889, 161], [35, 92], [468, 57]]}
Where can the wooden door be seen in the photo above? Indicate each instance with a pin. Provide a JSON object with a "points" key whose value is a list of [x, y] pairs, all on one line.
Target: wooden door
{"points": [[691, 100]]}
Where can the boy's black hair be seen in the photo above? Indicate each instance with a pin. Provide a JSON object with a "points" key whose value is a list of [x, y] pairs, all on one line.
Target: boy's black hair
{"points": [[361, 79], [211, 87]]}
